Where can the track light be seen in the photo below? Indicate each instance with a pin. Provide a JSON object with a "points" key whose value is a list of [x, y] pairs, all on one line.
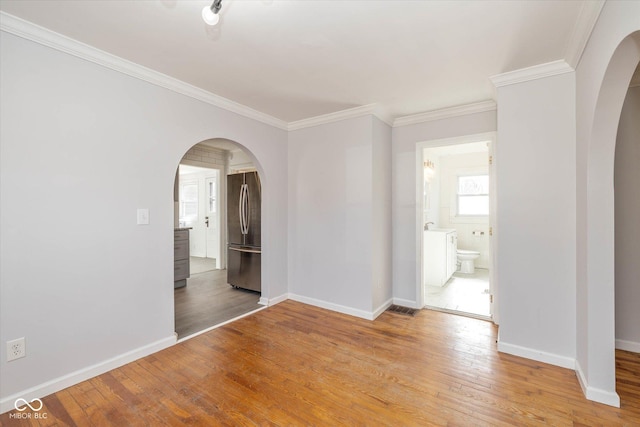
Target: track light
{"points": [[210, 13]]}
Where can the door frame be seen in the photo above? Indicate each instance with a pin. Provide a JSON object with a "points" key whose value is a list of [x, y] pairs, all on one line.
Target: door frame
{"points": [[419, 230], [222, 191], [218, 222]]}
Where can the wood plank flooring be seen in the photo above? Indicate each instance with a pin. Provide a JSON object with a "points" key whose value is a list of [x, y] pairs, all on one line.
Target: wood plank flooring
{"points": [[294, 364], [208, 300]]}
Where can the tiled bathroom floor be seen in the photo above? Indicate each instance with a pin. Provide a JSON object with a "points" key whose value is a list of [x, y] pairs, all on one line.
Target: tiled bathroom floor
{"points": [[467, 293]]}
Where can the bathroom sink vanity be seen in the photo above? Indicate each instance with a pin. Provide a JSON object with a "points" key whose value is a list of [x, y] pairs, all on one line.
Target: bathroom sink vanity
{"points": [[440, 255]]}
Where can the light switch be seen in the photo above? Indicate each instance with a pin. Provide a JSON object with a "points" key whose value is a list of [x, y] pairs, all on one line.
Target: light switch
{"points": [[143, 216]]}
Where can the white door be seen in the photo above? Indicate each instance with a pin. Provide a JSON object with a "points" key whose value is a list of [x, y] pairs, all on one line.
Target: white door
{"points": [[212, 218]]}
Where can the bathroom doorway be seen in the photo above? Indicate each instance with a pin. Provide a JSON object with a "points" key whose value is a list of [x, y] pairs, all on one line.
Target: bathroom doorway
{"points": [[456, 227]]}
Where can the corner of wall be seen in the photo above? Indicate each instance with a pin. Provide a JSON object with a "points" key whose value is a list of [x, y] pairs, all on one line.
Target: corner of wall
{"points": [[595, 394]]}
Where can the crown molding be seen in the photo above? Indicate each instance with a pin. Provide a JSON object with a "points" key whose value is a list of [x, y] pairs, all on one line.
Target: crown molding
{"points": [[350, 113], [27, 30], [445, 113], [589, 14], [531, 73]]}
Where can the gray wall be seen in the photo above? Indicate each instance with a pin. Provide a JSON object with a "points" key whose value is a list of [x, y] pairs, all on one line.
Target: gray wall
{"points": [[627, 194], [339, 222], [536, 208], [602, 80], [81, 148]]}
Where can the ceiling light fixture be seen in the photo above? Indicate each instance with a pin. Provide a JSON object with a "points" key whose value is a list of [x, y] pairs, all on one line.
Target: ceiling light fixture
{"points": [[210, 13]]}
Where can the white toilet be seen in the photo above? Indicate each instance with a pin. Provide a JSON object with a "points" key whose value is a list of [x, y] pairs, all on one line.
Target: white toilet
{"points": [[466, 259]]}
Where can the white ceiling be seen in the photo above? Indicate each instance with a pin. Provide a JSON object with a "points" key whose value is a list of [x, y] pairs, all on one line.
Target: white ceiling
{"points": [[294, 60]]}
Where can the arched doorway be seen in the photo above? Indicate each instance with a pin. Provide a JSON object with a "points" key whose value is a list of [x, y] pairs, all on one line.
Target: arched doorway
{"points": [[627, 230], [204, 223], [596, 295]]}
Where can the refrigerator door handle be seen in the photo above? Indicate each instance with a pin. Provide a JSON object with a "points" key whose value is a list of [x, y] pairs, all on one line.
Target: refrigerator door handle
{"points": [[251, 251], [247, 217], [245, 199], [241, 209], [240, 215]]}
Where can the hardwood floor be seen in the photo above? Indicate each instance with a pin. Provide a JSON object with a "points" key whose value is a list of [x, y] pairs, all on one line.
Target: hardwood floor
{"points": [[294, 364], [208, 300]]}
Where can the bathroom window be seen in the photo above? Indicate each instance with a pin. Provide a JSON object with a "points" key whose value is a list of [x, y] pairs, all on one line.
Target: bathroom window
{"points": [[473, 195]]}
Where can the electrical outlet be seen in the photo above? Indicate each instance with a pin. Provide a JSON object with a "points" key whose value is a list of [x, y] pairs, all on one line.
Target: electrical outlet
{"points": [[16, 349]]}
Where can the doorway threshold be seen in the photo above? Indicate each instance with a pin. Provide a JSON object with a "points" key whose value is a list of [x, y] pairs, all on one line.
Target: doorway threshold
{"points": [[460, 313], [220, 324]]}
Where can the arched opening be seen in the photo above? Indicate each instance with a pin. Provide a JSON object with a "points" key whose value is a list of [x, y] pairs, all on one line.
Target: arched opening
{"points": [[217, 236], [599, 312], [627, 231]]}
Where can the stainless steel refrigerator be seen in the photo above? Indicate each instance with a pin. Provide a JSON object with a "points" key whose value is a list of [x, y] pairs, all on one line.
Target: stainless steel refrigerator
{"points": [[244, 201]]}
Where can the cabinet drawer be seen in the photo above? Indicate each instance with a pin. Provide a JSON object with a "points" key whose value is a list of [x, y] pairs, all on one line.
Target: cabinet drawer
{"points": [[180, 270], [181, 250], [180, 234]]}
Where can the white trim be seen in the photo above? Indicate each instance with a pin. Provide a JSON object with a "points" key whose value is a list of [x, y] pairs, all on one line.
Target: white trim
{"points": [[76, 377], [628, 346], [368, 315], [226, 322], [538, 355], [445, 113], [596, 394], [43, 36], [531, 73], [273, 301], [589, 13], [350, 113], [382, 308]]}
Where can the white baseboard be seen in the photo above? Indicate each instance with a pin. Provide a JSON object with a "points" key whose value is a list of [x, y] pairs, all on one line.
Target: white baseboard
{"points": [[369, 315], [406, 303], [382, 308], [628, 346], [57, 384], [540, 356], [273, 301], [597, 395]]}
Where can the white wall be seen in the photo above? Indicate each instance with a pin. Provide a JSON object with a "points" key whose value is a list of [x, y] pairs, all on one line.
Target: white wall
{"points": [[335, 232], [536, 218], [602, 79], [627, 226], [450, 168], [405, 213], [81, 148], [381, 189]]}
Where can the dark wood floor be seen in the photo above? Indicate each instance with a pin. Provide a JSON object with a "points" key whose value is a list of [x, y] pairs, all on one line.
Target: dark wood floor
{"points": [[293, 364], [208, 300]]}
